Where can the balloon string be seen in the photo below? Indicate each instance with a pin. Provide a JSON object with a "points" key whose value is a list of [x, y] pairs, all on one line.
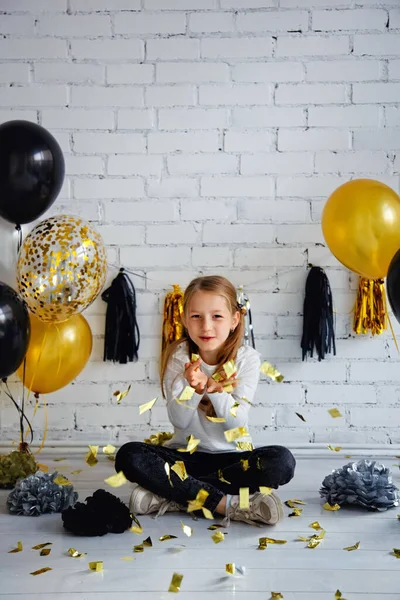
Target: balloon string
{"points": [[393, 334], [22, 414], [46, 424], [19, 242], [59, 352], [37, 363]]}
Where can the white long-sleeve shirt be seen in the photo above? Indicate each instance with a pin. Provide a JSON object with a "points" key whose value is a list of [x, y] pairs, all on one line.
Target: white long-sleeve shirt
{"points": [[190, 420]]}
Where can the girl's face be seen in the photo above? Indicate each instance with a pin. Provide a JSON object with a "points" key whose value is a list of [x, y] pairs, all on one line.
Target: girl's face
{"points": [[209, 322]]}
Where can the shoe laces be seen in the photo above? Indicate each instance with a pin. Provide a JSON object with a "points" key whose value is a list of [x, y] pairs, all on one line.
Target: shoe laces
{"points": [[244, 515], [164, 506]]}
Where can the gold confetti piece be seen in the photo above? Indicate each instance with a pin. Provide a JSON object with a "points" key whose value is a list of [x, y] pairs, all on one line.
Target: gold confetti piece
{"points": [[291, 503], [45, 552], [187, 394], [301, 417], [175, 584], [228, 388], [148, 543], [266, 491], [214, 526], [121, 395], [262, 543], [222, 478], [192, 444], [248, 401], [296, 512], [136, 528], [244, 497], [302, 538], [267, 540], [138, 548], [355, 547], [244, 446], [43, 468], [147, 406], [19, 548], [41, 571], [127, 558], [168, 472], [270, 371], [216, 419], [198, 502], [195, 357], [327, 506], [61, 480], [90, 457], [334, 413], [96, 566], [59, 459], [313, 543], [245, 464], [75, 554], [230, 568], [166, 537], [109, 449], [76, 472], [229, 368], [347, 455], [116, 480], [276, 596], [112, 458], [217, 377], [179, 468], [338, 595], [334, 448], [218, 537], [315, 525], [207, 513], [396, 552], [186, 529], [40, 546], [234, 409], [233, 434], [159, 439]]}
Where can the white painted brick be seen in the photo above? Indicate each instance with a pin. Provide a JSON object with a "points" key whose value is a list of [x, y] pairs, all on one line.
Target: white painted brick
{"points": [[289, 326], [212, 256], [86, 210], [315, 185], [149, 324], [237, 186], [351, 436], [277, 257], [17, 25], [387, 395], [276, 162], [102, 143], [237, 233], [30, 48], [153, 23], [307, 93], [344, 116], [261, 415], [161, 280], [75, 118], [263, 72], [60, 417], [122, 235], [361, 347], [83, 165], [313, 139], [159, 417], [34, 95], [273, 21], [191, 72], [14, 73], [276, 303], [377, 44], [148, 210], [392, 114], [88, 417], [374, 371], [323, 257], [104, 5], [145, 165], [318, 417], [243, 141], [264, 325], [273, 116], [81, 394], [376, 139], [351, 162], [300, 234], [107, 50], [396, 163], [394, 69], [370, 417], [315, 3], [354, 19], [236, 94], [64, 140], [287, 437], [243, 4], [343, 70], [173, 187], [180, 233], [340, 394], [69, 72], [40, 5], [136, 119], [274, 211], [213, 22], [208, 210], [316, 45], [133, 73], [170, 95], [194, 141], [193, 118], [394, 19], [173, 48], [254, 281], [108, 188], [75, 25], [278, 350], [312, 370], [236, 47], [149, 257], [106, 96], [190, 164], [180, 4], [376, 92]]}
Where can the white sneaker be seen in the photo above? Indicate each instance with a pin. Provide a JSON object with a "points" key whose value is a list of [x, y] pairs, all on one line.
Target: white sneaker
{"points": [[263, 508], [143, 502]]}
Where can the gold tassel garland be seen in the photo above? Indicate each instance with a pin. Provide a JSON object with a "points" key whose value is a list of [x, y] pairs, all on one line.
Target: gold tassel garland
{"points": [[370, 311], [172, 328]]}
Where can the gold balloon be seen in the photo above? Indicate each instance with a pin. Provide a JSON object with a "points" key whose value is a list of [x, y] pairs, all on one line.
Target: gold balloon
{"points": [[57, 353], [361, 226], [62, 267]]}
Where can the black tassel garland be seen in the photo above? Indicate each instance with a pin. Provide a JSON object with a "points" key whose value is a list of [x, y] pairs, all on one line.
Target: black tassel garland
{"points": [[318, 326], [122, 336]]}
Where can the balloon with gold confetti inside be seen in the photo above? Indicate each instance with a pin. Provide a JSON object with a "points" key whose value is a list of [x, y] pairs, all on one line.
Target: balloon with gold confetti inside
{"points": [[61, 268]]}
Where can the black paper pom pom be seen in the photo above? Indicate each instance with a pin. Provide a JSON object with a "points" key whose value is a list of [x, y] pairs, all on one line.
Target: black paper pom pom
{"points": [[103, 513]]}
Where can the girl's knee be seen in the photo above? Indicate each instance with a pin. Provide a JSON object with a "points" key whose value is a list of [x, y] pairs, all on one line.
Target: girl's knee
{"points": [[129, 456], [281, 459]]}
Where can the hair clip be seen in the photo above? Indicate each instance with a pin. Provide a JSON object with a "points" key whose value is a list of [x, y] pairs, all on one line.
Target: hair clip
{"points": [[242, 308]]}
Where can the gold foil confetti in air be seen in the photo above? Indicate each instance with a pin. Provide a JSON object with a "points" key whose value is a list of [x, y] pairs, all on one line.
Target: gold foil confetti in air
{"points": [[148, 543], [301, 417], [327, 506], [121, 395], [296, 512], [138, 548], [166, 537], [116, 480], [233, 434], [192, 444], [245, 464], [91, 456], [229, 368], [159, 439], [186, 529], [338, 595], [41, 571], [246, 400], [76, 472], [96, 566], [59, 459], [149, 405], [222, 478], [396, 552], [293, 501], [315, 525], [228, 388], [198, 502], [187, 394], [215, 526], [244, 446], [217, 377], [276, 596], [40, 546], [195, 357], [270, 371], [167, 469], [334, 448], [207, 513], [19, 548], [347, 456], [75, 554], [137, 528], [230, 568], [265, 491], [179, 468], [218, 537], [216, 419], [43, 468], [127, 558], [244, 497], [334, 413], [176, 582], [313, 543], [109, 449], [355, 547], [45, 552], [61, 480], [234, 409]]}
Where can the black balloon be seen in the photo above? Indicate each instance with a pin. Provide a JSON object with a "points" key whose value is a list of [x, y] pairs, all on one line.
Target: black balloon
{"points": [[31, 171], [14, 330], [393, 285]]}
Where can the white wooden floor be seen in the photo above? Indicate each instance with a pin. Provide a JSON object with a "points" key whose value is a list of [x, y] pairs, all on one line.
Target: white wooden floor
{"points": [[297, 572]]}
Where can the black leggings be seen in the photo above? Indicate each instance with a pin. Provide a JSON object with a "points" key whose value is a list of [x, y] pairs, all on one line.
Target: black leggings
{"points": [[269, 466]]}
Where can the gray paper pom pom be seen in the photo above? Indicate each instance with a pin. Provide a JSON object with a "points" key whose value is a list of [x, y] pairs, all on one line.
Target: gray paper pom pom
{"points": [[38, 494], [366, 482]]}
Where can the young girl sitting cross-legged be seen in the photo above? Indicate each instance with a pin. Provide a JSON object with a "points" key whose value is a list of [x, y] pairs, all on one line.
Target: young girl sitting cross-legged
{"points": [[213, 330]]}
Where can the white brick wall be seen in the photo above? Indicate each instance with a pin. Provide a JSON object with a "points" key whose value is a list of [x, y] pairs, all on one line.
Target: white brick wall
{"points": [[204, 136]]}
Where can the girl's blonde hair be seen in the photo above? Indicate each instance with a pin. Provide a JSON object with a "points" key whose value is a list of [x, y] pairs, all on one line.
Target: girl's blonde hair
{"points": [[214, 284]]}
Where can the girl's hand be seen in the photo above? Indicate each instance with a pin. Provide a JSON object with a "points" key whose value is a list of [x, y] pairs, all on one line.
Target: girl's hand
{"points": [[219, 386], [195, 378]]}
